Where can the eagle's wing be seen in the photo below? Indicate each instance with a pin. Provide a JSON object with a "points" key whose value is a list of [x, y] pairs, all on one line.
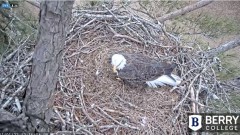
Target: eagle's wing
{"points": [[139, 58], [142, 69]]}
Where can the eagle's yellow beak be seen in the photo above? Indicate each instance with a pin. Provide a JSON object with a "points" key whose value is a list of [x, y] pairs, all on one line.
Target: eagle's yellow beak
{"points": [[114, 69]]}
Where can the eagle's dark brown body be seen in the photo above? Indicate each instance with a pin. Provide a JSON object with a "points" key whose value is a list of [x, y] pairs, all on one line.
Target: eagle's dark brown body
{"points": [[140, 68]]}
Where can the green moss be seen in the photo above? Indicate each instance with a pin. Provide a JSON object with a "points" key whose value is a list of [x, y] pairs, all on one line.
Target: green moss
{"points": [[19, 28], [230, 64], [233, 102], [94, 3], [215, 26], [2, 48], [145, 2], [235, 98]]}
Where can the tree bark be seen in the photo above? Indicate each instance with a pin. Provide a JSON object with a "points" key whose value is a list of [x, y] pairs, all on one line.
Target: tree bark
{"points": [[184, 10], [223, 48], [54, 20]]}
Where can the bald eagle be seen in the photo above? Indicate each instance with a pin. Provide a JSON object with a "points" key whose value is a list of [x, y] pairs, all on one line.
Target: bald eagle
{"points": [[139, 69]]}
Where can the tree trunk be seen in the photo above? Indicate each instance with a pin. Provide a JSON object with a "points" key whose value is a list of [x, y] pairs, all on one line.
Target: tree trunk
{"points": [[54, 19], [223, 48], [184, 10]]}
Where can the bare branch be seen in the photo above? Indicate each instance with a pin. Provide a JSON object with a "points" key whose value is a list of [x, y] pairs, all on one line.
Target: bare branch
{"points": [[36, 4], [223, 48], [184, 10]]}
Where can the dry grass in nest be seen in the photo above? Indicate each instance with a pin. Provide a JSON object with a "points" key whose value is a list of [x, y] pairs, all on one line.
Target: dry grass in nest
{"points": [[88, 81]]}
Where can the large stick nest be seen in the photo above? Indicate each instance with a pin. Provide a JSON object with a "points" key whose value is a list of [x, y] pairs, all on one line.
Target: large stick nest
{"points": [[90, 100]]}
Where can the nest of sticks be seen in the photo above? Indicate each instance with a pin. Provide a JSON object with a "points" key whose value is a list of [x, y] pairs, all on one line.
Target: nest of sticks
{"points": [[90, 100]]}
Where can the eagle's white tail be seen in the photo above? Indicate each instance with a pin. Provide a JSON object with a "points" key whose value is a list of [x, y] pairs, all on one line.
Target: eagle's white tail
{"points": [[164, 80]]}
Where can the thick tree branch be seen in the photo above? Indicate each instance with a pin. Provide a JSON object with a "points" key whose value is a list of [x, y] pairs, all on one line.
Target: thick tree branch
{"points": [[184, 10], [223, 48]]}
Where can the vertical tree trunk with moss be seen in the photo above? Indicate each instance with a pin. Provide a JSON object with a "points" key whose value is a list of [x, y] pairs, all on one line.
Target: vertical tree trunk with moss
{"points": [[54, 20]]}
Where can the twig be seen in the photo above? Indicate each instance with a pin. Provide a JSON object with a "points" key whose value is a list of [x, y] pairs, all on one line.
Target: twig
{"points": [[193, 97], [59, 115], [189, 89], [3, 91], [83, 106], [110, 117], [13, 95]]}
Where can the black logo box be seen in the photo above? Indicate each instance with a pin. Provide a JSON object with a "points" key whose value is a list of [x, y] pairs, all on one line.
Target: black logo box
{"points": [[220, 126]]}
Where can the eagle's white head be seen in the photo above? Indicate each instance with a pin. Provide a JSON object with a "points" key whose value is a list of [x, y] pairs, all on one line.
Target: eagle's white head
{"points": [[118, 61]]}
